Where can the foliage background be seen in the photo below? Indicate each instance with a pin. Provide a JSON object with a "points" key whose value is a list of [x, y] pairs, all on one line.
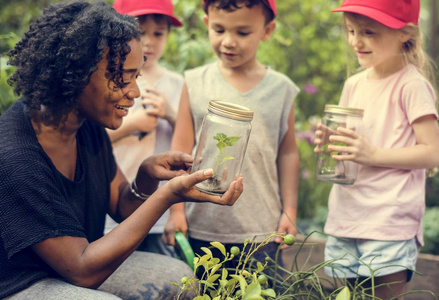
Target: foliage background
{"points": [[307, 46]]}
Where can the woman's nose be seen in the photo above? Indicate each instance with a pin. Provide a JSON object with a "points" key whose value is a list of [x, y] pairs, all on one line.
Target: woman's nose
{"points": [[132, 91]]}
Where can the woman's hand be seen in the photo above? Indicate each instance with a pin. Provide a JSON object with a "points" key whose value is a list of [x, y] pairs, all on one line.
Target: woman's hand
{"points": [[183, 187]]}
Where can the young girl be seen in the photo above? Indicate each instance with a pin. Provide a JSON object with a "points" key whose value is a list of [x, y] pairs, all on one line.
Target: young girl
{"points": [[149, 126], [377, 221]]}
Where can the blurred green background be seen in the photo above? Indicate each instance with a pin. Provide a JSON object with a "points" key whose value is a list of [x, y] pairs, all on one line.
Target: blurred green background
{"points": [[307, 46]]}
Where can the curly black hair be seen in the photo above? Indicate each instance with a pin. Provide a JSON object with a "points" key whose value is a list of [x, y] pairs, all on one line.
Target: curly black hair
{"points": [[57, 56]]}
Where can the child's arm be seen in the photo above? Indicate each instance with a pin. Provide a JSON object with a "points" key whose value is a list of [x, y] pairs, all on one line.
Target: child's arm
{"points": [[424, 155], [288, 166], [138, 120], [183, 140]]}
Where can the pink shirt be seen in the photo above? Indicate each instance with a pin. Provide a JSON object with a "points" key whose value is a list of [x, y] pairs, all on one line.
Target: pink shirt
{"points": [[384, 203]]}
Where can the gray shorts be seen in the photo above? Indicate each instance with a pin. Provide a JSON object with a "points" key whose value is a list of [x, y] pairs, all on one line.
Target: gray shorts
{"points": [[360, 257], [142, 276]]}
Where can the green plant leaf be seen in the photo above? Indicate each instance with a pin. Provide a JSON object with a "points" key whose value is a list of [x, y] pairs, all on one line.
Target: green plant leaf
{"points": [[269, 293], [226, 158], [220, 137], [221, 145], [231, 140], [260, 267], [215, 268], [207, 251], [224, 274], [220, 247], [253, 290], [213, 278], [344, 294], [242, 282]]}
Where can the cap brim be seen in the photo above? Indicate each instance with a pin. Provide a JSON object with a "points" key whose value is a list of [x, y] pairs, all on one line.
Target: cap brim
{"points": [[374, 14], [174, 21]]}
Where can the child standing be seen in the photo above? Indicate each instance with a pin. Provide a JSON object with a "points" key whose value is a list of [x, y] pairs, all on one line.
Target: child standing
{"points": [[271, 162], [149, 126], [378, 219]]}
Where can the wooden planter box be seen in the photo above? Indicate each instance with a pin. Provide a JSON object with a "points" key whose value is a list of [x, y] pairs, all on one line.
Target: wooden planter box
{"points": [[427, 265]]}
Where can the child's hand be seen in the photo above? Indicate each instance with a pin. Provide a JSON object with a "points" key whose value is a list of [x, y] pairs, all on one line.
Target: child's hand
{"points": [[286, 226], [176, 222], [356, 147], [158, 105], [322, 138], [141, 120]]}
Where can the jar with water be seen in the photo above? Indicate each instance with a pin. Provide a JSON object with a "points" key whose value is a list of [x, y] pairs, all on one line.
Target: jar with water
{"points": [[222, 144], [328, 169]]}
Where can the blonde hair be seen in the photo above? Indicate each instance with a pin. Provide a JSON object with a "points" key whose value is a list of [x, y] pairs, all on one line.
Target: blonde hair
{"points": [[414, 53]]}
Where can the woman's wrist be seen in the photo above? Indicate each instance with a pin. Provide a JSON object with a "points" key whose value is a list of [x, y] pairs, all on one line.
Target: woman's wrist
{"points": [[135, 191]]}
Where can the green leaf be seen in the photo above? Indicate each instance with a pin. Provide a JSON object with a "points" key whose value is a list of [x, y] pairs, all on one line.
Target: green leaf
{"points": [[242, 282], [207, 251], [231, 140], [220, 137], [344, 294], [260, 267], [213, 278], [253, 290], [224, 274], [220, 247], [226, 158], [269, 293], [221, 145]]}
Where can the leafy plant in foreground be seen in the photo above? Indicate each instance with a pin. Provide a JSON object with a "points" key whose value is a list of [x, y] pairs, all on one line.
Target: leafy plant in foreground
{"points": [[254, 280]]}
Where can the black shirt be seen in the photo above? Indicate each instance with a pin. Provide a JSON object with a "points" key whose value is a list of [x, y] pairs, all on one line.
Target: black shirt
{"points": [[37, 202]]}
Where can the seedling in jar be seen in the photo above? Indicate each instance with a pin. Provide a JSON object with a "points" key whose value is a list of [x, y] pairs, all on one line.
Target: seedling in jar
{"points": [[223, 142]]}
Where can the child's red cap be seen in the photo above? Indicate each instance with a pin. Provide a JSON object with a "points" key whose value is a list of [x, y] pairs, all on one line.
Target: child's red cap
{"points": [[144, 7], [392, 13], [270, 3]]}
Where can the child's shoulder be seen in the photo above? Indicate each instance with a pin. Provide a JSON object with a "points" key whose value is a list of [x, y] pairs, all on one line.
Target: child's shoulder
{"points": [[200, 69], [277, 78], [174, 76]]}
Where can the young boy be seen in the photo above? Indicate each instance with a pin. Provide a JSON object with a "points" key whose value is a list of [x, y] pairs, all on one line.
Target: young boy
{"points": [[271, 164], [149, 126]]}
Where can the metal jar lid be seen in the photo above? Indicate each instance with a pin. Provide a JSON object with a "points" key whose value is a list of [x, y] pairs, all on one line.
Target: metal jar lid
{"points": [[336, 109], [230, 110]]}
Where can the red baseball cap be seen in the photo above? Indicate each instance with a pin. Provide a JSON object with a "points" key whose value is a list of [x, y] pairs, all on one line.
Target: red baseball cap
{"points": [[270, 3], [144, 7], [392, 13]]}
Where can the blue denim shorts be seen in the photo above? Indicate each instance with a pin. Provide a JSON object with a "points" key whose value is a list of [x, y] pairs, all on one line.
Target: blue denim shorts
{"points": [[361, 258]]}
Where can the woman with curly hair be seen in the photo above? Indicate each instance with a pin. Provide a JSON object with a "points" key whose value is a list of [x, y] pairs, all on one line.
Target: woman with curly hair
{"points": [[76, 70]]}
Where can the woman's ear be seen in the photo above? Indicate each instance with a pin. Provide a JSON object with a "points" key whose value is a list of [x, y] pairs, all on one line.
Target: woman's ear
{"points": [[206, 19], [269, 28]]}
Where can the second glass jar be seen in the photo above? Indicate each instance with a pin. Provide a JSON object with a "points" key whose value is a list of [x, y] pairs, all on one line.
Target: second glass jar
{"points": [[328, 169], [222, 144]]}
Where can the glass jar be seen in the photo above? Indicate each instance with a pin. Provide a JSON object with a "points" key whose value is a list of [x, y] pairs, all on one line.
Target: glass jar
{"points": [[328, 169], [222, 143]]}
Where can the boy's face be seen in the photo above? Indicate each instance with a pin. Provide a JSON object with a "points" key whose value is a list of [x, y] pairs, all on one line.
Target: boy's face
{"points": [[153, 39], [235, 35]]}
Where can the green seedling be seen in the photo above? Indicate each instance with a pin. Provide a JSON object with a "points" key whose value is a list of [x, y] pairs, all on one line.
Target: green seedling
{"points": [[223, 142]]}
